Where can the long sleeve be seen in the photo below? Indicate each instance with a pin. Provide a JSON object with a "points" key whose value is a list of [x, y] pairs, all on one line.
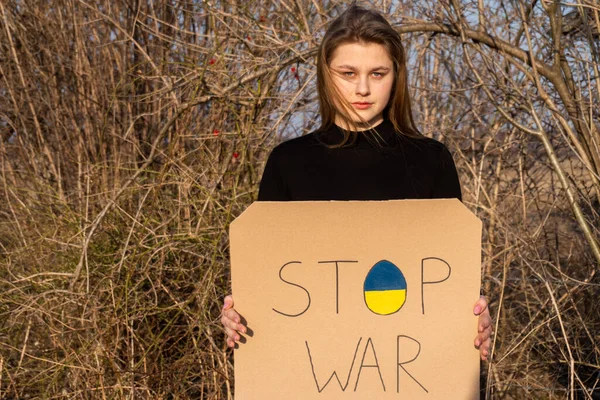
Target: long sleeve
{"points": [[447, 184], [272, 186]]}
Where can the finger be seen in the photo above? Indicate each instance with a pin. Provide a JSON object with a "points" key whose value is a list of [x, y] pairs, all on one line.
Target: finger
{"points": [[232, 320], [232, 315], [231, 324], [487, 345], [485, 322], [228, 322], [483, 355], [227, 303], [480, 305], [485, 349], [485, 335], [480, 339], [482, 344], [232, 335]]}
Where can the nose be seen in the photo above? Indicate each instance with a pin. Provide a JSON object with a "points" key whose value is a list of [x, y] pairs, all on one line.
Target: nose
{"points": [[362, 86]]}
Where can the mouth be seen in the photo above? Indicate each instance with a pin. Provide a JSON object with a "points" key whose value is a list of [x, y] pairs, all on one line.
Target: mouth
{"points": [[361, 105]]}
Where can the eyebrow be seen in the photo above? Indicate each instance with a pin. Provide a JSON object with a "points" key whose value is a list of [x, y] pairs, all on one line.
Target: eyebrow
{"points": [[380, 68]]}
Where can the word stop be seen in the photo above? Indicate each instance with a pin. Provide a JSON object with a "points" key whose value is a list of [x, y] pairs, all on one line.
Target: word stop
{"points": [[384, 289]]}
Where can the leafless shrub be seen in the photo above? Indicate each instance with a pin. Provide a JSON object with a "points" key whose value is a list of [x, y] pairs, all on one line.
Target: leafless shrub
{"points": [[133, 133]]}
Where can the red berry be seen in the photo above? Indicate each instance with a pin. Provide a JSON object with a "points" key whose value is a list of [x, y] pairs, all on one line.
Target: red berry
{"points": [[216, 132], [293, 69], [262, 18], [212, 61], [236, 155], [297, 77], [249, 38]]}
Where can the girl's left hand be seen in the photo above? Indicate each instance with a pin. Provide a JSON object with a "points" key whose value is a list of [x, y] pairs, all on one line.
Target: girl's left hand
{"points": [[483, 340]]}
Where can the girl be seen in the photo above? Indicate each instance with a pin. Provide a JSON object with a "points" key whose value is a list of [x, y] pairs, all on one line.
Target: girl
{"points": [[368, 147]]}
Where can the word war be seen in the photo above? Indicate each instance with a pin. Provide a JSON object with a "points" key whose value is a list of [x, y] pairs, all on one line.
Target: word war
{"points": [[403, 357]]}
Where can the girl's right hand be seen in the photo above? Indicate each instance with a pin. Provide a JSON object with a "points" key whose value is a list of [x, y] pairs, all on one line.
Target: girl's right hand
{"points": [[232, 322]]}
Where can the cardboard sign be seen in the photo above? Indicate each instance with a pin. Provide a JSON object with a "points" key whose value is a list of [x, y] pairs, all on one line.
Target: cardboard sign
{"points": [[357, 300]]}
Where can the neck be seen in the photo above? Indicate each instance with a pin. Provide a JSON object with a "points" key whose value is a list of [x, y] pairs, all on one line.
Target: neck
{"points": [[357, 126]]}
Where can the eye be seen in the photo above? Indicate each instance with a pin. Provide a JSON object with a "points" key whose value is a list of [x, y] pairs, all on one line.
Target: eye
{"points": [[378, 74], [348, 73]]}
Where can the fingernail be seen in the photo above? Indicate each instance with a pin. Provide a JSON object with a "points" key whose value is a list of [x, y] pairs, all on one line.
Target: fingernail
{"points": [[477, 310]]}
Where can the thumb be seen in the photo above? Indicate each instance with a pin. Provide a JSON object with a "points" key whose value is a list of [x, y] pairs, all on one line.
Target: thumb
{"points": [[228, 303], [480, 305]]}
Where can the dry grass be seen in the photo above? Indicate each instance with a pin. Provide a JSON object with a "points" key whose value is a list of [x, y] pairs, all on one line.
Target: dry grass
{"points": [[133, 133]]}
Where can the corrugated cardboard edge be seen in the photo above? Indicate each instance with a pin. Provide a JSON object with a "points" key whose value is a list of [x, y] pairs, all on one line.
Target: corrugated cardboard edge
{"points": [[257, 204]]}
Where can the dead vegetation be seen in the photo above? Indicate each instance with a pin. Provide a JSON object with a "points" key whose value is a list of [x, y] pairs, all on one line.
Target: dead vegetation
{"points": [[132, 133]]}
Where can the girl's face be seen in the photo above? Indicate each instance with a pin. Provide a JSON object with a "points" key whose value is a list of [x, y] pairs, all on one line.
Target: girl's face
{"points": [[364, 76]]}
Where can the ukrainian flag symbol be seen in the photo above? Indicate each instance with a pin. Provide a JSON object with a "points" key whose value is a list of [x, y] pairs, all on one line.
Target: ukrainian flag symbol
{"points": [[385, 288]]}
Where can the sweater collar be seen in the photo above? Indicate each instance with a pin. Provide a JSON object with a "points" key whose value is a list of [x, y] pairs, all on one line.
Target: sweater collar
{"points": [[383, 134]]}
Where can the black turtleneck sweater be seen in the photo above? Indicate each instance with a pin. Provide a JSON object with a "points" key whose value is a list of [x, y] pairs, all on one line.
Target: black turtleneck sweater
{"points": [[381, 166]]}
